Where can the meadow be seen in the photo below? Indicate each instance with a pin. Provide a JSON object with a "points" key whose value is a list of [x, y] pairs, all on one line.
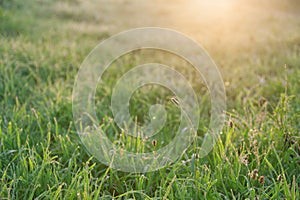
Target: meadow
{"points": [[255, 44]]}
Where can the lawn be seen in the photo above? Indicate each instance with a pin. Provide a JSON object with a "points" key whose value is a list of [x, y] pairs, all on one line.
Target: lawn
{"points": [[256, 46]]}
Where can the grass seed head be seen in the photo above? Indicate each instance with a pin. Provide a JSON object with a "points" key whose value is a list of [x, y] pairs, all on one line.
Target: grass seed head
{"points": [[244, 160], [121, 152], [279, 178], [175, 101], [262, 101], [254, 174], [261, 179], [154, 143], [230, 124]]}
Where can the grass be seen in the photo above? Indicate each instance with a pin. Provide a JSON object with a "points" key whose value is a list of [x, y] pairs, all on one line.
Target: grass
{"points": [[42, 45]]}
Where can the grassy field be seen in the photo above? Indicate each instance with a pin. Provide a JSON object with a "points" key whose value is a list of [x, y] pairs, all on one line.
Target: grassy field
{"points": [[256, 45]]}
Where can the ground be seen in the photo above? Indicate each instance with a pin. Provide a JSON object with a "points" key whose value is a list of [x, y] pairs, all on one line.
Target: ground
{"points": [[256, 46]]}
